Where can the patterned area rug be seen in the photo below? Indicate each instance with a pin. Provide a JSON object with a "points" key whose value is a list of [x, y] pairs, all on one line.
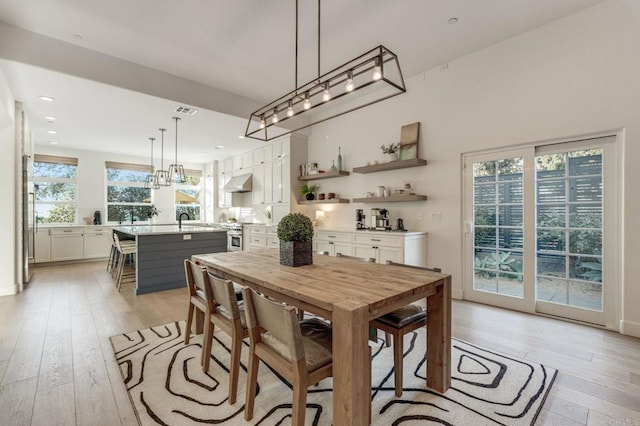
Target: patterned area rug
{"points": [[167, 386]]}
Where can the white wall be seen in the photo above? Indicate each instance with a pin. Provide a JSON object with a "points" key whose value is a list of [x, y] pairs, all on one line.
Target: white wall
{"points": [[576, 76], [8, 193], [91, 181]]}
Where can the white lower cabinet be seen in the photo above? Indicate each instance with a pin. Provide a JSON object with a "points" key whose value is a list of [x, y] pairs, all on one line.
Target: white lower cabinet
{"points": [[409, 248], [97, 243], [262, 236], [72, 243], [67, 244], [43, 245]]}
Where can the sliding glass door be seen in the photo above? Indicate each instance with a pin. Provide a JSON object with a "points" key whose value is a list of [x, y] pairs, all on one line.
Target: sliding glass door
{"points": [[535, 235]]}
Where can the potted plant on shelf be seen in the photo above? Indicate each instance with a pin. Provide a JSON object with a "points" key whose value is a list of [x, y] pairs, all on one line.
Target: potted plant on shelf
{"points": [[391, 151], [295, 232], [308, 190]]}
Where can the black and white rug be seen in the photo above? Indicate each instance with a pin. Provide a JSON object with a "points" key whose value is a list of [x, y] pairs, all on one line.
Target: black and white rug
{"points": [[167, 386]]}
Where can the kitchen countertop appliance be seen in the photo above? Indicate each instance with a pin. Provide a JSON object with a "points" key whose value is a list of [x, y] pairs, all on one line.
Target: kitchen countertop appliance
{"points": [[360, 220], [380, 219]]}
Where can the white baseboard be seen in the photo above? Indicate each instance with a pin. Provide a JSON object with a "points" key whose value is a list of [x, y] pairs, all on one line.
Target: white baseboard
{"points": [[457, 293], [8, 290], [630, 328]]}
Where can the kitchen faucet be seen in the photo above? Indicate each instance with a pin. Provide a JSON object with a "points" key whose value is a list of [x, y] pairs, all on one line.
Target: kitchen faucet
{"points": [[180, 219], [132, 217]]}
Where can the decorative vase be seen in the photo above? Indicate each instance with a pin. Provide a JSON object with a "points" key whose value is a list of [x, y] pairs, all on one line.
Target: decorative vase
{"points": [[296, 253], [392, 157], [339, 160], [310, 197]]}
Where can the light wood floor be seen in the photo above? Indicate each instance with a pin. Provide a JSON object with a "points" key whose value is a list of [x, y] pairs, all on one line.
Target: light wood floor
{"points": [[57, 366]]}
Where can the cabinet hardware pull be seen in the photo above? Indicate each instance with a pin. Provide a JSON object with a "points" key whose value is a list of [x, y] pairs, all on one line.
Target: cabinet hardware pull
{"points": [[330, 242], [331, 236], [375, 239]]}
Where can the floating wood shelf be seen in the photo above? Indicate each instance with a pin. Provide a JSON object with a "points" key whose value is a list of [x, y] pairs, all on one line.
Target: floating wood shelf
{"points": [[323, 176], [392, 199], [331, 201], [391, 165]]}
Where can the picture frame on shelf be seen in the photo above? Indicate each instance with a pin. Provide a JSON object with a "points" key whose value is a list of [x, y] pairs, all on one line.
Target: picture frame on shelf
{"points": [[409, 135]]}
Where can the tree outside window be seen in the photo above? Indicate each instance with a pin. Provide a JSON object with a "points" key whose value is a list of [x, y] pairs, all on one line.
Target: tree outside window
{"points": [[187, 195], [127, 198], [55, 180]]}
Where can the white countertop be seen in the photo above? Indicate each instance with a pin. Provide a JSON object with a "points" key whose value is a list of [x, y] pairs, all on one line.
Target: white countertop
{"points": [[164, 229], [368, 232]]}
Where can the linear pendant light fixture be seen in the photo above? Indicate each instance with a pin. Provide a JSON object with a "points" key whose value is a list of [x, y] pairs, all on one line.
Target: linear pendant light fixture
{"points": [[152, 180], [162, 176], [375, 76], [176, 171]]}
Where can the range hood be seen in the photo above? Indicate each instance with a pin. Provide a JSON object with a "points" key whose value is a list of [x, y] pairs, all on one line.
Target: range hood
{"points": [[240, 183]]}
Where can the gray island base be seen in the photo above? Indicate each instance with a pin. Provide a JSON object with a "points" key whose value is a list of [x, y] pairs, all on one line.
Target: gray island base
{"points": [[161, 250]]}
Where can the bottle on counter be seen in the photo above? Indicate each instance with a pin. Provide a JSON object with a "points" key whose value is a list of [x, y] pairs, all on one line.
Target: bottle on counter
{"points": [[339, 160]]}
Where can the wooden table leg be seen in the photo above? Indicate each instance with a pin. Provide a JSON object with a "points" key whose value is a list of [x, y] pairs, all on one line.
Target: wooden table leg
{"points": [[351, 390], [439, 338], [198, 324]]}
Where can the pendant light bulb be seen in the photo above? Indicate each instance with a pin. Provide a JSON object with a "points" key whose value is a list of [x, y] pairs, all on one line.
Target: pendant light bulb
{"points": [[262, 122], [349, 86], [377, 71], [290, 109], [275, 117], [326, 95], [307, 102]]}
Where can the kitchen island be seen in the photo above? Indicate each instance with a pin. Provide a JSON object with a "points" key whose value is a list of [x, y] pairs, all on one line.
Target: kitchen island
{"points": [[161, 250]]}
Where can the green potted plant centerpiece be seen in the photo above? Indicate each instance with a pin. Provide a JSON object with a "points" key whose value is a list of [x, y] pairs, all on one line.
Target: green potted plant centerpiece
{"points": [[308, 190], [391, 151], [295, 232]]}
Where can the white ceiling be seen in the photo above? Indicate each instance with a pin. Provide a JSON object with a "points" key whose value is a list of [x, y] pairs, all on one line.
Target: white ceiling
{"points": [[244, 47]]}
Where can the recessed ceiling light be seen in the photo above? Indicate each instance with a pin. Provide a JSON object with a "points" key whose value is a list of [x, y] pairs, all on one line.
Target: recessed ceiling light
{"points": [[218, 147], [53, 142], [204, 153], [241, 137], [47, 98], [52, 132], [453, 20], [50, 118], [76, 36]]}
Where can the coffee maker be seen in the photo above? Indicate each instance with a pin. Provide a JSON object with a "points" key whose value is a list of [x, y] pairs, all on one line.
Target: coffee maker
{"points": [[380, 219], [360, 220]]}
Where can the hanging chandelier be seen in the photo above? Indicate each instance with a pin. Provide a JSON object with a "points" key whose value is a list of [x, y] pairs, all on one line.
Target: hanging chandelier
{"points": [[162, 176], [176, 171], [152, 181], [375, 76]]}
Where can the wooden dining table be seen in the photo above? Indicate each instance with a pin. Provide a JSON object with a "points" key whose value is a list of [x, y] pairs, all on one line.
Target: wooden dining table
{"points": [[350, 293]]}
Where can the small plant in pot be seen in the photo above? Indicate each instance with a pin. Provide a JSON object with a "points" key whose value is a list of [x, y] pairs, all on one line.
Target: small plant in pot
{"points": [[391, 151], [295, 232], [308, 190]]}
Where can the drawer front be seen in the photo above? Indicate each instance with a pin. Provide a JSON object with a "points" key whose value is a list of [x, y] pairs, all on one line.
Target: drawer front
{"points": [[272, 230], [273, 242], [66, 231], [378, 240], [258, 240], [257, 230], [333, 236]]}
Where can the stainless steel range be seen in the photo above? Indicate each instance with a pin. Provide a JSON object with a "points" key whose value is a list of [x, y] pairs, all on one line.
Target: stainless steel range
{"points": [[234, 235]]}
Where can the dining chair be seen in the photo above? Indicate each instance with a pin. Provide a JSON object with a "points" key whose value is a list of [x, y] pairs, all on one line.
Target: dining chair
{"points": [[400, 322], [360, 259], [298, 351], [216, 298]]}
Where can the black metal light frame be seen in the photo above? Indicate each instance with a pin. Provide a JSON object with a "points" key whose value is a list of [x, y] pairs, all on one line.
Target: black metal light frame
{"points": [[262, 126]]}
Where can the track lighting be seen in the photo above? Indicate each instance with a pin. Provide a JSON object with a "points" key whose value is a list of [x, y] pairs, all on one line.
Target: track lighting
{"points": [[349, 86], [326, 95]]}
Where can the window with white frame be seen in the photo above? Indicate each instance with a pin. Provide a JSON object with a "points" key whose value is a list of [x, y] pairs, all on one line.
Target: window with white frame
{"points": [[127, 198], [56, 188], [187, 196]]}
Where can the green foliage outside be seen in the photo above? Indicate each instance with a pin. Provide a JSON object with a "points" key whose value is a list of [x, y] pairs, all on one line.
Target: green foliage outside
{"points": [[295, 227], [192, 211]]}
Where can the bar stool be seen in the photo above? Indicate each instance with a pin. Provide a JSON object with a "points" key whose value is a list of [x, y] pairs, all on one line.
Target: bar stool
{"points": [[114, 254], [124, 250]]}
